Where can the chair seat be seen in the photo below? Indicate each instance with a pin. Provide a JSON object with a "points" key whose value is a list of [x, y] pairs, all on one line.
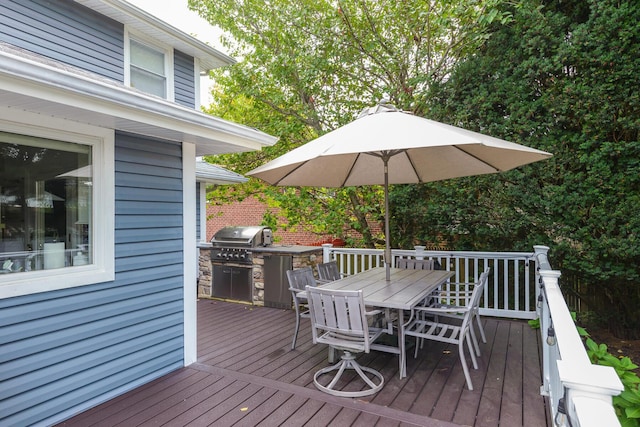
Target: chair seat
{"points": [[339, 319]]}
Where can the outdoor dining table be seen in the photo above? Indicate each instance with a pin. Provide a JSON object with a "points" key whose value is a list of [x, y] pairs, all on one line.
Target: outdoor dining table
{"points": [[405, 290]]}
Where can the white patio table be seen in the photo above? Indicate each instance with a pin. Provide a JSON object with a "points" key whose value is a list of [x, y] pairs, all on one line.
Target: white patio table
{"points": [[406, 289]]}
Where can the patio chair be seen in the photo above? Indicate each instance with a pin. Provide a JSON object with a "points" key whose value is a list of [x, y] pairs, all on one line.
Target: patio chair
{"points": [[462, 292], [299, 279], [423, 328], [339, 319], [417, 264], [328, 272]]}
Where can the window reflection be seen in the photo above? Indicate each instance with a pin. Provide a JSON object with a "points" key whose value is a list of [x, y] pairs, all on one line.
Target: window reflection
{"points": [[45, 204]]}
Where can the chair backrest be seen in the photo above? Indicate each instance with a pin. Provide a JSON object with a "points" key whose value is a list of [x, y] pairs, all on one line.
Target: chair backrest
{"points": [[338, 319], [474, 301], [416, 264], [328, 271], [300, 278]]}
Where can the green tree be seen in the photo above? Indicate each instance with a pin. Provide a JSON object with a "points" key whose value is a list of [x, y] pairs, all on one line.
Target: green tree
{"points": [[307, 67], [563, 78]]}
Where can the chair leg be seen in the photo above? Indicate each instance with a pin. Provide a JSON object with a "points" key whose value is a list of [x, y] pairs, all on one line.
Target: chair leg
{"points": [[473, 356], [475, 340], [348, 362], [484, 337], [465, 368], [295, 334]]}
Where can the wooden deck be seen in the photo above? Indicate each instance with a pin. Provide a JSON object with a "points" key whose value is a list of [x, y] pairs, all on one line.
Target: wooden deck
{"points": [[246, 375]]}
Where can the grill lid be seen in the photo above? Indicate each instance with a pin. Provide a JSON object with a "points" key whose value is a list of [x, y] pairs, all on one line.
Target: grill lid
{"points": [[241, 236]]}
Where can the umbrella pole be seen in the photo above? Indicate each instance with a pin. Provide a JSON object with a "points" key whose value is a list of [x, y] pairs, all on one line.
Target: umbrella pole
{"points": [[387, 251]]}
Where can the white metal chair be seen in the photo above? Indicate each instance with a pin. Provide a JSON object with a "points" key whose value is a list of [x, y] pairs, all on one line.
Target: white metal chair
{"points": [[328, 271], [416, 264], [299, 279], [339, 319], [423, 328], [458, 296]]}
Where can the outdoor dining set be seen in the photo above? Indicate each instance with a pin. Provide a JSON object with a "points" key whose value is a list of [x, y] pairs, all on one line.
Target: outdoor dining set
{"points": [[365, 311]]}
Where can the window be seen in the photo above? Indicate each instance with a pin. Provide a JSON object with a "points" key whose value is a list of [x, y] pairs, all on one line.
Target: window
{"points": [[52, 222], [45, 204], [149, 67]]}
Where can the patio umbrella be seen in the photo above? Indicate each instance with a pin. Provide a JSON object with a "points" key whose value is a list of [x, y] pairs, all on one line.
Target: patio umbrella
{"points": [[387, 146]]}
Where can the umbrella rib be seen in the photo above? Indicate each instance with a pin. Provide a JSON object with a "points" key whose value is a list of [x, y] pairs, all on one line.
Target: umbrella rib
{"points": [[478, 159], [348, 174], [282, 178]]}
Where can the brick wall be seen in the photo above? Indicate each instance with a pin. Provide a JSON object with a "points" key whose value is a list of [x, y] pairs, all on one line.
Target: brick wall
{"points": [[250, 212]]}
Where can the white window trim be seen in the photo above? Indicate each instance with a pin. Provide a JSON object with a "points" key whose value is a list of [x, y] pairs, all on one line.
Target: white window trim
{"points": [[197, 84], [168, 59], [103, 220]]}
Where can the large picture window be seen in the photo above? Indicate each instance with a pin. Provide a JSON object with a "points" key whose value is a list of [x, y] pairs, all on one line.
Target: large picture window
{"points": [[45, 204], [56, 204]]}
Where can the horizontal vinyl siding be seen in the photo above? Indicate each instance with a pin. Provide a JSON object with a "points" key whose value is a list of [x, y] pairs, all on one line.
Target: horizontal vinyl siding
{"points": [[185, 92], [63, 351], [65, 31]]}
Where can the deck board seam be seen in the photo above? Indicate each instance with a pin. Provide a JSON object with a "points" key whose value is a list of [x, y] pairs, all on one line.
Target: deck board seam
{"points": [[359, 405]]}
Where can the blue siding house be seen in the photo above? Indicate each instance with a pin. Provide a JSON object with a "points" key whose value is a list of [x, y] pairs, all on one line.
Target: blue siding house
{"points": [[99, 133]]}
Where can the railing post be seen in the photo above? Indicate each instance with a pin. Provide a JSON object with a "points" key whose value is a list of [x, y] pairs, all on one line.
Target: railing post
{"points": [[326, 252], [419, 252], [588, 393], [549, 351]]}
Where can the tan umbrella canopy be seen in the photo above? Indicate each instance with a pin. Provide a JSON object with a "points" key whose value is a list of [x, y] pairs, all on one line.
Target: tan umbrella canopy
{"points": [[386, 146]]}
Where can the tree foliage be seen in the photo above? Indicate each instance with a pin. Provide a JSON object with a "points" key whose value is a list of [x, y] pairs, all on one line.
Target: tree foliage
{"points": [[307, 67], [556, 75], [563, 78]]}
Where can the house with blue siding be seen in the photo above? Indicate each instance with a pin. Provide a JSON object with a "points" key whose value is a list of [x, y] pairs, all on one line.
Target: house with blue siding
{"points": [[99, 133]]}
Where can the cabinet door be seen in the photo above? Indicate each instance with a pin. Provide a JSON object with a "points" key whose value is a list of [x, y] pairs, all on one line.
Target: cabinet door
{"points": [[221, 281], [241, 283]]}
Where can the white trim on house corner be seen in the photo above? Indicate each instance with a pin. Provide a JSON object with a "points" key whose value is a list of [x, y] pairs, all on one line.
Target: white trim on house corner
{"points": [[103, 201], [190, 262], [203, 212], [197, 84]]}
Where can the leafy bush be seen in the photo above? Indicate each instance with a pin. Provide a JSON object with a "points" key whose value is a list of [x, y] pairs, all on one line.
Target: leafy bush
{"points": [[627, 404]]}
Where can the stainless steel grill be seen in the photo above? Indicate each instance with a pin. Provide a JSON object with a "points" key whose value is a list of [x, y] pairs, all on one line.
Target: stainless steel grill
{"points": [[232, 260], [234, 244]]}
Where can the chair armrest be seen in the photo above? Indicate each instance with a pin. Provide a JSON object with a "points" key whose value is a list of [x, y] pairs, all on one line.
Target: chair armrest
{"points": [[373, 312], [442, 310]]}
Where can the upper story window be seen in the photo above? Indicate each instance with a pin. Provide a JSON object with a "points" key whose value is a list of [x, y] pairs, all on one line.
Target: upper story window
{"points": [[149, 67]]}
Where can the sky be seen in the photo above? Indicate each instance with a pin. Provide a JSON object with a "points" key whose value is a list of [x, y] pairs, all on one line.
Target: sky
{"points": [[177, 14]]}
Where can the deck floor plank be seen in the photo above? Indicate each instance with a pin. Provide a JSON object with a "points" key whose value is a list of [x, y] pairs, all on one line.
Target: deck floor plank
{"points": [[247, 375], [174, 405], [469, 402], [511, 408], [491, 399]]}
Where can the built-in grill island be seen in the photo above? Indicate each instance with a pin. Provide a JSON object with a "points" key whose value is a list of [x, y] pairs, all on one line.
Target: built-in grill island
{"points": [[244, 265], [232, 260]]}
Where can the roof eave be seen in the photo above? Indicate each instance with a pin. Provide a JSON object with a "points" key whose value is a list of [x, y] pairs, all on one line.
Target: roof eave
{"points": [[61, 91], [148, 24]]}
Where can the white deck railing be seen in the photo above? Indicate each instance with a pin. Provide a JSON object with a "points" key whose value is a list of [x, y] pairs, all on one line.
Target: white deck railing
{"points": [[511, 292], [523, 285]]}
